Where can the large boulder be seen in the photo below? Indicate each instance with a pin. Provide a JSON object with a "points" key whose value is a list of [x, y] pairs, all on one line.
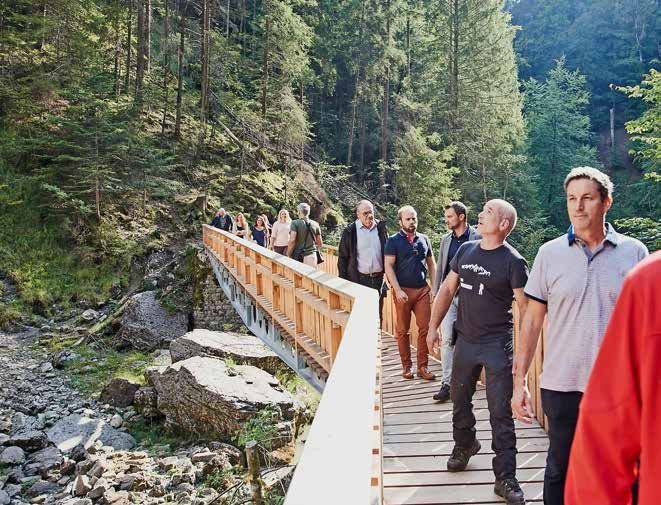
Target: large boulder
{"points": [[146, 325], [76, 429], [119, 392], [203, 395], [242, 349]]}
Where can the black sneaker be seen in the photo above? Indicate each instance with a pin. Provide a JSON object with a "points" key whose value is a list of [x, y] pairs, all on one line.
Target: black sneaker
{"points": [[510, 490], [443, 394], [460, 455]]}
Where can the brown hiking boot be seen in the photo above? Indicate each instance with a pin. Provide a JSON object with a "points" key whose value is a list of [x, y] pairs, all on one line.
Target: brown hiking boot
{"points": [[425, 374], [407, 374]]}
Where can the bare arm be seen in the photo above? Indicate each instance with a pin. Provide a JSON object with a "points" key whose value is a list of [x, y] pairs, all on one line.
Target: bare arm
{"points": [[440, 307], [389, 265], [529, 330], [317, 239], [292, 241]]}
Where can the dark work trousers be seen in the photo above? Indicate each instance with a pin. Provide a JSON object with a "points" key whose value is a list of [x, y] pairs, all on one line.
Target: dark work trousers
{"points": [[375, 282], [561, 409], [496, 358]]}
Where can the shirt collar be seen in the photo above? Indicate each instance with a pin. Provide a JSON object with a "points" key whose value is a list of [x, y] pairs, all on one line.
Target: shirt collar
{"points": [[359, 224], [403, 234], [464, 235], [611, 235]]}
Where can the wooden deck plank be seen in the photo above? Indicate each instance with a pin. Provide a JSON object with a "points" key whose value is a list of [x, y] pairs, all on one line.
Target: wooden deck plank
{"points": [[404, 449], [435, 436], [469, 477], [481, 461], [454, 494]]}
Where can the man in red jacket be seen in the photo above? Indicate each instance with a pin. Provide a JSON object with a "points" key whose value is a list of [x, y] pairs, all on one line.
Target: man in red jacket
{"points": [[621, 409]]}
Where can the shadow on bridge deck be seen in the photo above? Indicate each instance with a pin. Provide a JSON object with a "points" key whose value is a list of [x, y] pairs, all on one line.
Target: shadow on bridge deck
{"points": [[417, 440]]}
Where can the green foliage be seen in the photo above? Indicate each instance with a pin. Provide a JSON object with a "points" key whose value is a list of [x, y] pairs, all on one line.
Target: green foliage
{"points": [[153, 435], [423, 178], [558, 135], [646, 130], [647, 230], [94, 368], [222, 479], [261, 428]]}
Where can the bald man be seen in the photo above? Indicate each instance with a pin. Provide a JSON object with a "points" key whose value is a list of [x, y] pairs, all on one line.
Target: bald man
{"points": [[488, 273]]}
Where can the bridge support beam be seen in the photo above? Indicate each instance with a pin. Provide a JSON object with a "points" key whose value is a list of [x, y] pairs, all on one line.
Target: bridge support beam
{"points": [[261, 325]]}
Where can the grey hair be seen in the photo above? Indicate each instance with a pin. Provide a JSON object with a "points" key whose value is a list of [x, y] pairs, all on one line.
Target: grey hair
{"points": [[601, 179], [303, 208]]}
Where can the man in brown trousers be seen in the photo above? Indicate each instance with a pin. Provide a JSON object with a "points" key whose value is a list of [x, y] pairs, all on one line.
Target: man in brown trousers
{"points": [[408, 260]]}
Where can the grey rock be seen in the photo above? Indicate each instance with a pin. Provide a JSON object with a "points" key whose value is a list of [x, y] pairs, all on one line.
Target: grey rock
{"points": [[43, 461], [12, 456], [78, 453], [234, 455], [146, 402], [90, 315], [76, 429], [81, 485], [116, 421], [42, 487], [203, 395], [146, 325], [242, 349], [4, 438], [205, 497], [99, 467], [112, 496], [4, 498], [99, 489], [203, 456], [12, 489], [168, 463], [60, 359], [119, 392], [29, 439], [46, 367]]}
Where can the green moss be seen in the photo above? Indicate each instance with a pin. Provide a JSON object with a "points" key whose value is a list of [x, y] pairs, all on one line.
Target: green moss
{"points": [[154, 436]]}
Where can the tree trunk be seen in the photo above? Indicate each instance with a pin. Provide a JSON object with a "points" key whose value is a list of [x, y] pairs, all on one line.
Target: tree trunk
{"points": [[362, 141], [205, 61], [227, 23], [265, 62], [356, 87], [129, 21], [118, 55], [148, 16], [180, 72], [166, 66], [140, 57], [386, 91]]}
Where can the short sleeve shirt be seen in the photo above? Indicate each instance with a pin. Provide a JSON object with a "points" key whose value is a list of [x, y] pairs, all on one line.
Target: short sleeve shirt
{"points": [[304, 238], [579, 288], [488, 279], [410, 258]]}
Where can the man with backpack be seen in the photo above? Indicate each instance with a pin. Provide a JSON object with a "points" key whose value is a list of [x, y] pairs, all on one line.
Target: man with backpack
{"points": [[304, 237]]}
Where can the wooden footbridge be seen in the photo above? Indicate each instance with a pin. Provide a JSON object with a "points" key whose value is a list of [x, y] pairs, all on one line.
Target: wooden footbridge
{"points": [[376, 438]]}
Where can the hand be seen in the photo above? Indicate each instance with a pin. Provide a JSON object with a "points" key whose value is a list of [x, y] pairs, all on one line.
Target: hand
{"points": [[433, 338], [401, 295], [522, 404]]}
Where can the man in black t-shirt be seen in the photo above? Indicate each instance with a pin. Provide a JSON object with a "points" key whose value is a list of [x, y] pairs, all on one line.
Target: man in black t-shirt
{"points": [[489, 273]]}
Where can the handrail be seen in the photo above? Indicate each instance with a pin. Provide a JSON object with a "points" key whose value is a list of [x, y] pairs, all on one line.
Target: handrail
{"points": [[310, 305]]}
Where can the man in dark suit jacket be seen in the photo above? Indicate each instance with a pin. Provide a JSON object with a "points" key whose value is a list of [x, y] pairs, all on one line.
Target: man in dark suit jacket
{"points": [[460, 232], [360, 255], [222, 220]]}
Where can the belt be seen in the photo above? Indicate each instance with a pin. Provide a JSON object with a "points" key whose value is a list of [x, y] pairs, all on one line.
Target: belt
{"points": [[374, 274]]}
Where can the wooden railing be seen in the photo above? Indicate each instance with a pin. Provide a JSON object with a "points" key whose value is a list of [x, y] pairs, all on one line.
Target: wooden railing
{"points": [[335, 323]]}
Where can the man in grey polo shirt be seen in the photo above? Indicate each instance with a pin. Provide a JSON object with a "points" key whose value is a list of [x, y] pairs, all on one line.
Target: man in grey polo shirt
{"points": [[575, 279]]}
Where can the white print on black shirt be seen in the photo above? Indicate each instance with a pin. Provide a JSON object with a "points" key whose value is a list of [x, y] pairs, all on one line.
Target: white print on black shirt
{"points": [[481, 289], [477, 269]]}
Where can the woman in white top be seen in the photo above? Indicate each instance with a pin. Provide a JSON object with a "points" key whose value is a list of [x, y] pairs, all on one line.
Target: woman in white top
{"points": [[280, 233]]}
